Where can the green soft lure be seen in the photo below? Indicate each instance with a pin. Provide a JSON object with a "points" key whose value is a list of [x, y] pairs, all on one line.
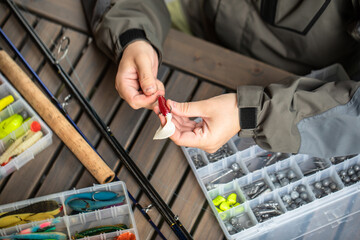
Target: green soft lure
{"points": [[85, 205], [98, 230], [96, 196], [47, 235]]}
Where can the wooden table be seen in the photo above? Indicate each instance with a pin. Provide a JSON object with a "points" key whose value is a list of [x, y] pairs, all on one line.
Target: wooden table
{"points": [[192, 69]]}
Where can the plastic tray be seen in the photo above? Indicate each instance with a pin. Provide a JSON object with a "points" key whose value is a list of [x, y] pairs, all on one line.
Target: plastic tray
{"points": [[18, 105], [71, 224], [328, 216]]}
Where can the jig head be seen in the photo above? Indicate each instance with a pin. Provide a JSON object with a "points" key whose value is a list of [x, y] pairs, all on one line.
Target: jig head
{"points": [[169, 127]]}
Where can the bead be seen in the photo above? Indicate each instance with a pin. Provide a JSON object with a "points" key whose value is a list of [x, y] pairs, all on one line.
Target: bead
{"points": [[356, 168], [302, 203], [280, 175], [293, 206], [298, 200], [326, 182], [354, 178], [291, 174], [231, 199], [229, 227], [294, 195], [333, 186], [347, 179], [318, 185], [301, 188], [350, 171], [327, 190], [304, 195], [233, 221], [272, 178], [218, 210], [342, 173], [284, 182], [218, 200], [277, 185], [286, 198], [224, 206]]}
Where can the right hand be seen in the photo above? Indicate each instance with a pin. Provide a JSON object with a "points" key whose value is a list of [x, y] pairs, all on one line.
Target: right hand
{"points": [[136, 79]]}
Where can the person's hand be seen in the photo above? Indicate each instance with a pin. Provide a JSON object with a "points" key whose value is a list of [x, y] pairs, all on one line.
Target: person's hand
{"points": [[136, 80], [220, 122]]}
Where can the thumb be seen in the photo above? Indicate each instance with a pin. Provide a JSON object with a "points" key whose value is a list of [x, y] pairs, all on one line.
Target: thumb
{"points": [[146, 76], [188, 109]]}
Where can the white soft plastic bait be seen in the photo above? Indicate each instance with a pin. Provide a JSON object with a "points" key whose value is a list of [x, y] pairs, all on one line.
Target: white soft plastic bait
{"points": [[169, 127], [167, 130]]}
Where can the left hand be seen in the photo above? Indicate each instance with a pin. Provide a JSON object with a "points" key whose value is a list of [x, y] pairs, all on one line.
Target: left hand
{"points": [[220, 122]]}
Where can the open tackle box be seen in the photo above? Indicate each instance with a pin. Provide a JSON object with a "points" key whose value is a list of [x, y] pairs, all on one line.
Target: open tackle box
{"points": [[304, 196], [17, 106], [71, 222]]}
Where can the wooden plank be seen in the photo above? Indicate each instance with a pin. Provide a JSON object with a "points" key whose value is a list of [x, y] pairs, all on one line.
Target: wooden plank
{"points": [[165, 181], [15, 32], [217, 64], [47, 32], [66, 166], [67, 12], [208, 227], [4, 12]]}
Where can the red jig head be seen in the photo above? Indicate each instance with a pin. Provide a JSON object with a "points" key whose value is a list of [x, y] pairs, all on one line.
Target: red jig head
{"points": [[162, 105]]}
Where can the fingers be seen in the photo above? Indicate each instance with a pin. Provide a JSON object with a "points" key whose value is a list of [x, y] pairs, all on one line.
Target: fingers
{"points": [[146, 75], [189, 109]]}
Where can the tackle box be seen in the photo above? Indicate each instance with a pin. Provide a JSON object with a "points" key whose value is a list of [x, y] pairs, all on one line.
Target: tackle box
{"points": [[17, 106], [328, 217], [71, 223], [331, 216]]}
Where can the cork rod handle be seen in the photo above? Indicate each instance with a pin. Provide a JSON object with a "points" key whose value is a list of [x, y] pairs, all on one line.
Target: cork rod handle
{"points": [[56, 121]]}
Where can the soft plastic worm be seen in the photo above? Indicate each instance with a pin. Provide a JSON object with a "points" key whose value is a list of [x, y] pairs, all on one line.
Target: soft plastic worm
{"points": [[169, 127], [100, 229], [86, 205], [50, 235], [96, 196]]}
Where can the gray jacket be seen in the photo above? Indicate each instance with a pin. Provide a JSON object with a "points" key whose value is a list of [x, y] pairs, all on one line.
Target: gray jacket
{"points": [[317, 115]]}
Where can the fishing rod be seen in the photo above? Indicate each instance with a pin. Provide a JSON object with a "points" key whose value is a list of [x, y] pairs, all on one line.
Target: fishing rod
{"points": [[143, 182], [62, 110]]}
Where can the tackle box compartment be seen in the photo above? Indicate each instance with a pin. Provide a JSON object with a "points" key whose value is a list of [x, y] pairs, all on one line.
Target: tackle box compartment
{"points": [[70, 223], [17, 106], [330, 217]]}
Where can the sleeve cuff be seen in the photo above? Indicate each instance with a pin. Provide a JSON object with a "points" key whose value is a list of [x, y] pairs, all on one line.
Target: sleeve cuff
{"points": [[249, 100], [132, 35]]}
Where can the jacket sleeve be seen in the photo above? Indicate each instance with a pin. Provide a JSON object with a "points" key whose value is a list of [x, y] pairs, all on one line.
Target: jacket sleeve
{"points": [[124, 21], [317, 115]]}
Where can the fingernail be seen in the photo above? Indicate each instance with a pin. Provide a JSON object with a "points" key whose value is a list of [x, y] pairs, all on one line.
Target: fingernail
{"points": [[150, 89]]}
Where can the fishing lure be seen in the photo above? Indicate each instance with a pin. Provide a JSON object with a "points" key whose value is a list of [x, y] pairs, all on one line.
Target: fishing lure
{"points": [[34, 212], [96, 196], [12, 123], [98, 230], [125, 236], [86, 205], [21, 144], [6, 101], [45, 226], [169, 127], [33, 236]]}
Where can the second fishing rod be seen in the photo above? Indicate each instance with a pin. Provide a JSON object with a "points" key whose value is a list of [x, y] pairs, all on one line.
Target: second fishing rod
{"points": [[143, 182]]}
